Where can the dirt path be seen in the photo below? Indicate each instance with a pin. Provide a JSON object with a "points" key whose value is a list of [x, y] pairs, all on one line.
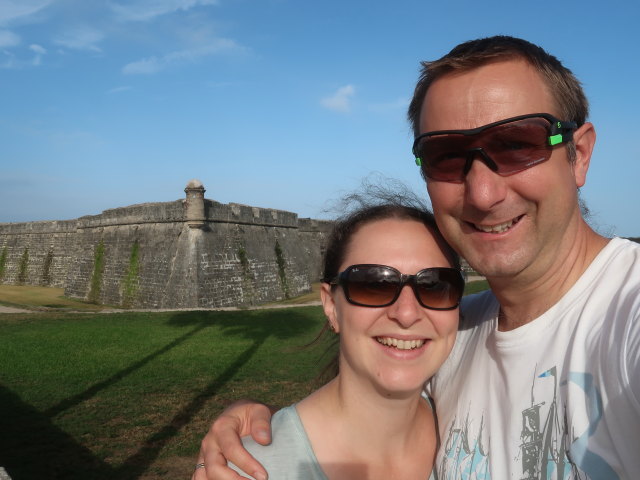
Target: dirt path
{"points": [[4, 309], [202, 309]]}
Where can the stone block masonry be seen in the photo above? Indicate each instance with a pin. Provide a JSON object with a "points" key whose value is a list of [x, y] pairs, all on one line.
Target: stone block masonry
{"points": [[192, 253], [36, 253]]}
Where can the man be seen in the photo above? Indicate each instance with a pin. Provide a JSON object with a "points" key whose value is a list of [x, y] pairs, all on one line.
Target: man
{"points": [[543, 381]]}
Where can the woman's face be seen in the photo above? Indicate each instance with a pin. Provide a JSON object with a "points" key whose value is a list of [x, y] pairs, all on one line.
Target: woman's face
{"points": [[367, 334]]}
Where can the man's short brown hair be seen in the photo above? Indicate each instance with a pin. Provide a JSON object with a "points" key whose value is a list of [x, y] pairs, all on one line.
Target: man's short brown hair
{"points": [[564, 87]]}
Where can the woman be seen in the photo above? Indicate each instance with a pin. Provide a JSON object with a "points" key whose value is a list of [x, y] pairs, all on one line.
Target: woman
{"points": [[391, 290]]}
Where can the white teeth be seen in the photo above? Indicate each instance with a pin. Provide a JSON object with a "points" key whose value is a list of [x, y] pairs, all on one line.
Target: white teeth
{"points": [[503, 227], [400, 344]]}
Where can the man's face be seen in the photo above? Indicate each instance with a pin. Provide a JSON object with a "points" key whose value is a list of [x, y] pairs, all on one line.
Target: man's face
{"points": [[502, 225]]}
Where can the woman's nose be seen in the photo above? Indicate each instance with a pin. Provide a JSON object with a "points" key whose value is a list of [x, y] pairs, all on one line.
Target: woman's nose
{"points": [[405, 310]]}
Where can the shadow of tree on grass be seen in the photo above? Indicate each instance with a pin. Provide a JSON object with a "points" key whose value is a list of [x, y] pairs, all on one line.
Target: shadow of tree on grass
{"points": [[32, 447], [240, 324]]}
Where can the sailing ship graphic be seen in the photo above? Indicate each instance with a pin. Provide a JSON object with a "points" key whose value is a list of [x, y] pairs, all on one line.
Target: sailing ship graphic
{"points": [[465, 458], [544, 437]]}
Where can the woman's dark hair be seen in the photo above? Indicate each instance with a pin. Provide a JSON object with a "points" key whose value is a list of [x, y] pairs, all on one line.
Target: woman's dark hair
{"points": [[347, 226]]}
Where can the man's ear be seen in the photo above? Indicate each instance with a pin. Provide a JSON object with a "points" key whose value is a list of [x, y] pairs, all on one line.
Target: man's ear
{"points": [[329, 306], [584, 139]]}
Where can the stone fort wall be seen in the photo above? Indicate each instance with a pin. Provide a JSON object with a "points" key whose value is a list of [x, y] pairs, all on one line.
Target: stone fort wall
{"points": [[192, 253]]}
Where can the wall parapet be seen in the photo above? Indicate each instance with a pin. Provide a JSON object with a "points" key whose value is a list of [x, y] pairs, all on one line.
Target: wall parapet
{"points": [[35, 228], [159, 212], [247, 215], [313, 225], [168, 212]]}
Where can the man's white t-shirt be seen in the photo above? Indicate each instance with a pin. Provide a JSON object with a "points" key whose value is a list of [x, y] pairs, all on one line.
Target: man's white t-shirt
{"points": [[558, 398]]}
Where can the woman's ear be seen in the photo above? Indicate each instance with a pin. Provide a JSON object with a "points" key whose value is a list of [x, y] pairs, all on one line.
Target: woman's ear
{"points": [[329, 306]]}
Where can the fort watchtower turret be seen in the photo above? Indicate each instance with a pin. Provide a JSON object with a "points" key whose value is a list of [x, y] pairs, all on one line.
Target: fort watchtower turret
{"points": [[194, 203]]}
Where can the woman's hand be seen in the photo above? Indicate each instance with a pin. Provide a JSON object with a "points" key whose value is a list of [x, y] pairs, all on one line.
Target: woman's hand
{"points": [[223, 443]]}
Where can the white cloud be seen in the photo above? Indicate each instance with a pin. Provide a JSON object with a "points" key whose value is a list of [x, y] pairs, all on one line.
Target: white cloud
{"points": [[155, 64], [340, 101], [19, 9], [143, 10], [39, 52], [145, 66], [13, 62], [82, 38], [8, 39]]}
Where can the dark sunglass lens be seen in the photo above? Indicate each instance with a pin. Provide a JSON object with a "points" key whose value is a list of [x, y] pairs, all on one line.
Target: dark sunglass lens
{"points": [[440, 288], [518, 145], [372, 285], [443, 156]]}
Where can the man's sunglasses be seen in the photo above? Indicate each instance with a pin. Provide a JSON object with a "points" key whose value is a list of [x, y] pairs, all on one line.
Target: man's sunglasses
{"points": [[380, 286], [508, 146]]}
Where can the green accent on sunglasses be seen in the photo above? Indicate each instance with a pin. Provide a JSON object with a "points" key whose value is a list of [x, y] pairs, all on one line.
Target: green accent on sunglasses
{"points": [[555, 139]]}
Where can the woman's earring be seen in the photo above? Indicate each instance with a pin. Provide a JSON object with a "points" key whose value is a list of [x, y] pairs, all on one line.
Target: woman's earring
{"points": [[332, 327]]}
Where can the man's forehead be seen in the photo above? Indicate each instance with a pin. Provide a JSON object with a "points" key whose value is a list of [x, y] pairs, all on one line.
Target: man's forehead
{"points": [[485, 94]]}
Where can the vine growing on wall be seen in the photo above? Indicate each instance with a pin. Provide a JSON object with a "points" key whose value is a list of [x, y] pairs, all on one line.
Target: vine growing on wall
{"points": [[244, 261], [23, 266], [46, 268], [131, 279], [281, 269], [3, 261], [96, 277], [248, 288]]}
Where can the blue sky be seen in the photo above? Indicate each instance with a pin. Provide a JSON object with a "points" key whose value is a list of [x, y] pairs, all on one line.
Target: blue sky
{"points": [[273, 103]]}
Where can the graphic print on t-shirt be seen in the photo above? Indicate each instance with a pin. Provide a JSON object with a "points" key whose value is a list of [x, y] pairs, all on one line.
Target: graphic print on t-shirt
{"points": [[550, 448]]}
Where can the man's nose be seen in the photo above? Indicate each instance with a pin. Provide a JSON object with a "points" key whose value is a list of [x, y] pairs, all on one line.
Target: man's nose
{"points": [[484, 188]]}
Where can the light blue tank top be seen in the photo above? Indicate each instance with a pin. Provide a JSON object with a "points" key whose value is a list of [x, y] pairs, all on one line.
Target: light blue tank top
{"points": [[289, 456]]}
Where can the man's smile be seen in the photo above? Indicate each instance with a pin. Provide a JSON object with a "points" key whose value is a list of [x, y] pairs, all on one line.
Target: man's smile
{"points": [[497, 228]]}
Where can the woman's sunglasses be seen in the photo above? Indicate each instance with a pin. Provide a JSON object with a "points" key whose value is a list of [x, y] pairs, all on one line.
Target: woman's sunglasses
{"points": [[508, 146], [380, 286]]}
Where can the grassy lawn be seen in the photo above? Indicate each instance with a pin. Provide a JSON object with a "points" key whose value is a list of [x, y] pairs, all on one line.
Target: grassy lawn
{"points": [[130, 395], [41, 297], [92, 395], [475, 286]]}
